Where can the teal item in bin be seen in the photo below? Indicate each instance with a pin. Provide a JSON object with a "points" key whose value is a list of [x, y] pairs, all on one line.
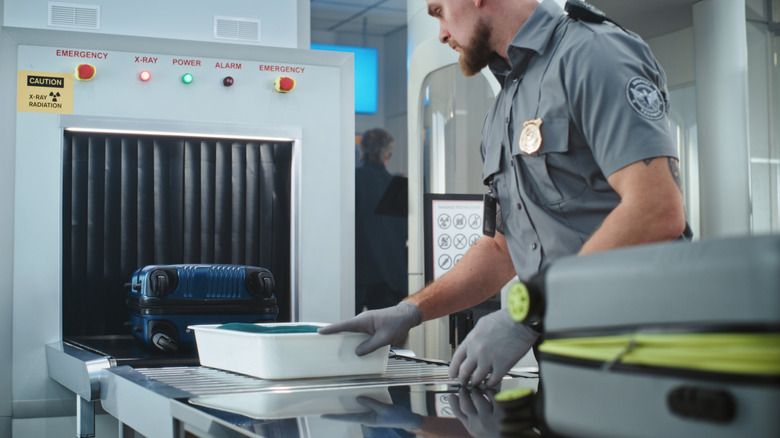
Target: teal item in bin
{"points": [[276, 329]]}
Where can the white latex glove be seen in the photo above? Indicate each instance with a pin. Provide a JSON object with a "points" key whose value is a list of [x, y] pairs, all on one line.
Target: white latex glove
{"points": [[473, 407], [386, 326], [492, 348]]}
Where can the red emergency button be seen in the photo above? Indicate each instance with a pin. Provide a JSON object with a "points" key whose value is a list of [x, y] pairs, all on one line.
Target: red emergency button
{"points": [[85, 72], [284, 84]]}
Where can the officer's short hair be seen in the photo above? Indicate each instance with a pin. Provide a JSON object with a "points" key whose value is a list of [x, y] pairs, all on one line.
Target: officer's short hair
{"points": [[375, 145]]}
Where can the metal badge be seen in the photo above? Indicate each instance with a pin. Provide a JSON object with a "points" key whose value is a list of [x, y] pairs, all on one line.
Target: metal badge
{"points": [[531, 136]]}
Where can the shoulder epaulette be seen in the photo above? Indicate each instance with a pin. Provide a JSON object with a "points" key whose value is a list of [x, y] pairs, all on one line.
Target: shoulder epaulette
{"points": [[584, 11]]}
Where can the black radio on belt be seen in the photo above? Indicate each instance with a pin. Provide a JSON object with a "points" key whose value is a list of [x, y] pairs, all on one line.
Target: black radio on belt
{"points": [[489, 211]]}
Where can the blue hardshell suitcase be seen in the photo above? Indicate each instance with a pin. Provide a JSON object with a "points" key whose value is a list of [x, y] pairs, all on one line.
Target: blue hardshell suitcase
{"points": [[164, 300]]}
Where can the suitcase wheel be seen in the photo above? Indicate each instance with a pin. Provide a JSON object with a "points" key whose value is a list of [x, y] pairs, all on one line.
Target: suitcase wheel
{"points": [[163, 336], [260, 283], [163, 281]]}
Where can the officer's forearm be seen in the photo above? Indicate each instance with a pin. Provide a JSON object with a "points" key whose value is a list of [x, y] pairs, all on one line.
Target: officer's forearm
{"points": [[626, 226], [480, 274]]}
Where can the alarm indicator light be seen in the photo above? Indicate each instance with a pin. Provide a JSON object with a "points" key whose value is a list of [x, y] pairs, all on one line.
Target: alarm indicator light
{"points": [[145, 75], [187, 78], [228, 81]]}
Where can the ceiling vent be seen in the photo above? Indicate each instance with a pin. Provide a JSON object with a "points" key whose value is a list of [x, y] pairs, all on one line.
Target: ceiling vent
{"points": [[237, 29], [71, 15]]}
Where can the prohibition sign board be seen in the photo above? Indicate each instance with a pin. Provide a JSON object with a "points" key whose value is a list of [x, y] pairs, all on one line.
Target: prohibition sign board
{"points": [[452, 223]]}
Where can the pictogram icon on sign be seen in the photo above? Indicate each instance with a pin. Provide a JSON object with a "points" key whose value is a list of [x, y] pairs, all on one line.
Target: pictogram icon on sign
{"points": [[445, 262], [460, 241], [54, 96], [444, 221]]}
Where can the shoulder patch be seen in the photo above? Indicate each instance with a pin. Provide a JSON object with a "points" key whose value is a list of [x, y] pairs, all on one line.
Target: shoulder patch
{"points": [[645, 98]]}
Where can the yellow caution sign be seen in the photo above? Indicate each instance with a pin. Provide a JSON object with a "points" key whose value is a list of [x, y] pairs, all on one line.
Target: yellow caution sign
{"points": [[44, 92]]}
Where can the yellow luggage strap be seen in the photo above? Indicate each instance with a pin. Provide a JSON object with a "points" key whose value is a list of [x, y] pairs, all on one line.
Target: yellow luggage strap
{"points": [[735, 353]]}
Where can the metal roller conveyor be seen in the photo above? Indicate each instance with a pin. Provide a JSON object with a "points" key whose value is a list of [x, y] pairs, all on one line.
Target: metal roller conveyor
{"points": [[199, 381], [176, 401]]}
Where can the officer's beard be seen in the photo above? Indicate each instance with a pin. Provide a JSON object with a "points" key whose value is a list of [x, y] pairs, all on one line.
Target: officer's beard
{"points": [[476, 55]]}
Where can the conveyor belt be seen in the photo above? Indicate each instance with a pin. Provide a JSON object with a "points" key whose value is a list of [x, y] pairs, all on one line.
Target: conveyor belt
{"points": [[200, 381]]}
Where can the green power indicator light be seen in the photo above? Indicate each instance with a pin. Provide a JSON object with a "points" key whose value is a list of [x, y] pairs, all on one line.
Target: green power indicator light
{"points": [[187, 78]]}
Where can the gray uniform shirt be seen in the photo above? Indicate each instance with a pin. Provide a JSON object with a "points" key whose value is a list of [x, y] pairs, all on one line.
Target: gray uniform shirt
{"points": [[601, 96]]}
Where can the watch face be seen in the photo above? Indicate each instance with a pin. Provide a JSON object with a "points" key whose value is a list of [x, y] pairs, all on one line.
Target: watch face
{"points": [[518, 301]]}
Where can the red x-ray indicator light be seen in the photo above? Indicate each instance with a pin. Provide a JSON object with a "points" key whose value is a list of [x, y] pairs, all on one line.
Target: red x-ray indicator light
{"points": [[145, 75], [284, 84], [85, 72]]}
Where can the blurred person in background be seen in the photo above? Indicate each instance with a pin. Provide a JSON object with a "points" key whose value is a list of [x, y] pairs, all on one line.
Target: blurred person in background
{"points": [[380, 239]]}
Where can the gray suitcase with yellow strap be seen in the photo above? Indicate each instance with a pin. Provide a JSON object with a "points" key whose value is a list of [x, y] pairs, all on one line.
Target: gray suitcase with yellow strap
{"points": [[672, 340]]}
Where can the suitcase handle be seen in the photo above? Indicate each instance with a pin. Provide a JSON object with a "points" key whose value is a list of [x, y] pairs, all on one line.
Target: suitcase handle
{"points": [[702, 404]]}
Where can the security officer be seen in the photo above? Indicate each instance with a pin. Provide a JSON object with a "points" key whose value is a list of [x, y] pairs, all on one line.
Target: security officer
{"points": [[578, 158]]}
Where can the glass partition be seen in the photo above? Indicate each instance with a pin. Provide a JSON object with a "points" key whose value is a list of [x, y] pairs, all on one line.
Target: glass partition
{"points": [[453, 110], [682, 115], [764, 146]]}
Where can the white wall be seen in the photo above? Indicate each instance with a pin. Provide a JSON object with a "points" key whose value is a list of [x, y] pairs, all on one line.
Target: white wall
{"points": [[304, 24], [192, 21], [674, 52], [7, 134]]}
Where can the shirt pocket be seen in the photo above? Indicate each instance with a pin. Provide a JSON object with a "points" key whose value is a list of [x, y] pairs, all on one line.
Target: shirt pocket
{"points": [[544, 174], [492, 164]]}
